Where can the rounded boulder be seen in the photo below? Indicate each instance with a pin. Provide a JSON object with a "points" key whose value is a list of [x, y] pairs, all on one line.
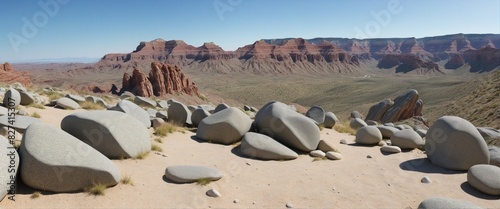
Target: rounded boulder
{"points": [[260, 146], [224, 127], [368, 135], [407, 139]]}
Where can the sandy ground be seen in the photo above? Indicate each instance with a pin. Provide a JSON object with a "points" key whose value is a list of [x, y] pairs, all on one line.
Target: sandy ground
{"points": [[383, 181]]}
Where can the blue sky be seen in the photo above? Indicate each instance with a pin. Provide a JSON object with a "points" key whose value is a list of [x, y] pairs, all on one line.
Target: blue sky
{"points": [[92, 28]]}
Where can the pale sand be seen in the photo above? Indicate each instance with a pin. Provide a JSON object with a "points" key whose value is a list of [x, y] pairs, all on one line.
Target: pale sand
{"points": [[353, 182]]}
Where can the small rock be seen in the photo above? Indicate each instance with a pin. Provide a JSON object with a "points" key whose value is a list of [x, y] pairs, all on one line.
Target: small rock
{"points": [[317, 153], [289, 205], [343, 141], [390, 149], [236, 201], [248, 163], [213, 193], [426, 180], [333, 155], [382, 143], [369, 156]]}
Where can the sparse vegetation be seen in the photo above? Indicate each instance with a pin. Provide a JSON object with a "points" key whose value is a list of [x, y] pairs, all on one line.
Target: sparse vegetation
{"points": [[36, 115], [35, 195], [159, 140], [127, 180], [321, 127], [96, 189], [344, 128], [141, 155], [168, 128], [53, 95], [91, 106], [203, 181], [156, 147], [36, 105]]}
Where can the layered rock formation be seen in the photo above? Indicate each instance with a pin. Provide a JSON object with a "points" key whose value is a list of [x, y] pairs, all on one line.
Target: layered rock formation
{"points": [[163, 79], [325, 55], [9, 75], [404, 106]]}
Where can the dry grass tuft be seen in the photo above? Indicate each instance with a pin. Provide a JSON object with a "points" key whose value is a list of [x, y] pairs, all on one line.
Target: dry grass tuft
{"points": [[36, 115], [96, 189], [35, 195], [159, 140], [141, 155], [168, 128], [344, 128], [35, 105], [127, 180], [203, 181], [91, 106], [156, 147]]}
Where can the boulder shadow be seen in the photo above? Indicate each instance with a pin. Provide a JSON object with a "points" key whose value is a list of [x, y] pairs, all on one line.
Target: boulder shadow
{"points": [[467, 188], [237, 151], [424, 165], [23, 189], [198, 139], [165, 179]]}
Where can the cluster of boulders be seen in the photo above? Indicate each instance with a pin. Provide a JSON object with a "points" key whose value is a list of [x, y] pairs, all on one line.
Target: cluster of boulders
{"points": [[403, 107]]}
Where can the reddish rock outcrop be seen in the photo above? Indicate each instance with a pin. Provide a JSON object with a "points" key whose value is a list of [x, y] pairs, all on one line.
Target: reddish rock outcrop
{"points": [[405, 63], [455, 61], [9, 75], [483, 60], [163, 79], [405, 106]]}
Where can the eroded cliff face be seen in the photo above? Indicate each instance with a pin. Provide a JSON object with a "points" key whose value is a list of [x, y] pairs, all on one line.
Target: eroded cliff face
{"points": [[163, 79], [323, 55], [9, 75]]}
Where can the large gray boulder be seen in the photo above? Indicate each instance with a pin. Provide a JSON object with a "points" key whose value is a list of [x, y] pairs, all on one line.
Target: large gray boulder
{"points": [[317, 114], [330, 120], [220, 107], [53, 160], [494, 155], [134, 111], [407, 139], [198, 115], [489, 134], [368, 135], [454, 143], [127, 94], [288, 127], [446, 203], [387, 131], [114, 134], [357, 123], [377, 111], [21, 122], [76, 98], [67, 103], [9, 162], [179, 114], [224, 127], [145, 102], [3, 110], [12, 98], [485, 178], [96, 100], [27, 98], [190, 173], [260, 146]]}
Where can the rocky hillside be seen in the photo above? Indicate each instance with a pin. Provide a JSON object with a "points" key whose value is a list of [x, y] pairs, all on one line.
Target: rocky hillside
{"points": [[482, 106], [9, 75], [325, 55]]}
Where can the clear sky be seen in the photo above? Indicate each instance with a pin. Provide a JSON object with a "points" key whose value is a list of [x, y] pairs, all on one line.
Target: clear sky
{"points": [[91, 28]]}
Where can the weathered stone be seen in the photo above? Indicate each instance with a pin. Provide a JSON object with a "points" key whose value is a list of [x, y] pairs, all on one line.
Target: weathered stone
{"points": [[9, 162], [485, 178], [446, 203], [12, 98], [317, 114], [224, 127], [21, 122], [454, 143], [387, 131], [390, 149], [189, 173], [377, 111], [198, 115], [53, 160], [407, 139], [157, 122], [317, 153], [162, 114], [357, 123], [179, 114], [368, 135], [404, 107], [134, 111], [67, 103], [114, 134], [325, 146], [220, 107], [263, 147], [333, 155], [330, 120], [75, 98], [356, 114], [144, 102], [290, 128]]}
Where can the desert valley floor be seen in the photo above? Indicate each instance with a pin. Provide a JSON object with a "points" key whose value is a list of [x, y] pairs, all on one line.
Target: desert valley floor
{"points": [[356, 181]]}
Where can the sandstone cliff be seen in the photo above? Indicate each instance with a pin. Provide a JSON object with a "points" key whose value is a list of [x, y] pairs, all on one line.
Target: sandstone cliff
{"points": [[9, 75]]}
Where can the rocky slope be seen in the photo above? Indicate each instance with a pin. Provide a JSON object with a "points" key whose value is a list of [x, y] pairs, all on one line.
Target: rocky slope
{"points": [[163, 79], [9, 75], [325, 55]]}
